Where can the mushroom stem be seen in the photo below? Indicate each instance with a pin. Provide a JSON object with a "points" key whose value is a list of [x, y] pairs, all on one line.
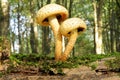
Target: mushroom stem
{"points": [[58, 37], [69, 47]]}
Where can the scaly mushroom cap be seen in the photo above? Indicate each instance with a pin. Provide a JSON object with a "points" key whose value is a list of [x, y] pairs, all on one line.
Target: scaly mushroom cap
{"points": [[59, 11], [71, 24]]}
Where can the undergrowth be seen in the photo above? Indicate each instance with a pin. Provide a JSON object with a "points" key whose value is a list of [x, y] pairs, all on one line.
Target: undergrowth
{"points": [[47, 65], [114, 64]]}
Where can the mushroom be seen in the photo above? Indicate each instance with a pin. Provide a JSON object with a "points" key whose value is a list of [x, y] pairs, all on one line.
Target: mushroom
{"points": [[51, 15], [71, 28]]}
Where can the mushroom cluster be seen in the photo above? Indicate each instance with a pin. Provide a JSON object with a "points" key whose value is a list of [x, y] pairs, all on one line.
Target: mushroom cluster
{"points": [[51, 15], [55, 16]]}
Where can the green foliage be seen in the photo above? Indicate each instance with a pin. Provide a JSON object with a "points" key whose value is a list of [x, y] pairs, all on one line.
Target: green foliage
{"points": [[1, 74], [88, 58], [93, 66], [48, 65], [114, 64]]}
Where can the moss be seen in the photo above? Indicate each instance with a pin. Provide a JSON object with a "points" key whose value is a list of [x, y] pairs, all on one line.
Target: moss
{"points": [[94, 66], [48, 65]]}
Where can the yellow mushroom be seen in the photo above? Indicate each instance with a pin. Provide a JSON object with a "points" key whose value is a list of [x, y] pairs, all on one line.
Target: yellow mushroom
{"points": [[71, 28], [51, 15]]}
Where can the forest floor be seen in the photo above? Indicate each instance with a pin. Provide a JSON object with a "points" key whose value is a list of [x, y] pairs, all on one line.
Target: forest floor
{"points": [[80, 73]]}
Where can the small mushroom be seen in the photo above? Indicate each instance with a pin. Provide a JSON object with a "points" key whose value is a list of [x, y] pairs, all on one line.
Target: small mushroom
{"points": [[71, 28], [51, 15]]}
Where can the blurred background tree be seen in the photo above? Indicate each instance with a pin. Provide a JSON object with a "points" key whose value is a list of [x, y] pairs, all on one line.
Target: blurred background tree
{"points": [[5, 46]]}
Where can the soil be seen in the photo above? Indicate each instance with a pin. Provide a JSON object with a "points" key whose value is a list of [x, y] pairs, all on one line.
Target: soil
{"points": [[81, 73]]}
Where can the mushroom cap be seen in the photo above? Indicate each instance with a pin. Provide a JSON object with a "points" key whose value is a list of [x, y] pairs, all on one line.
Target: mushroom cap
{"points": [[59, 11], [71, 24]]}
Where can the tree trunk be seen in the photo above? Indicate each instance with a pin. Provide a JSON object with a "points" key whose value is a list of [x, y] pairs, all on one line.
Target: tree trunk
{"points": [[4, 18], [5, 46], [46, 39], [70, 8], [19, 28], [58, 2], [19, 36], [112, 33], [118, 25], [33, 32], [98, 27]]}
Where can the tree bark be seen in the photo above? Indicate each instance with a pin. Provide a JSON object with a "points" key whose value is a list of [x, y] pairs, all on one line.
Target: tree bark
{"points": [[4, 18], [34, 31], [46, 39], [58, 1], [118, 25], [5, 46], [98, 27], [19, 28]]}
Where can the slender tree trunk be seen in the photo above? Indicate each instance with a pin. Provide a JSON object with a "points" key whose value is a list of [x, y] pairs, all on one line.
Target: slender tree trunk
{"points": [[112, 24], [98, 27], [19, 28], [118, 25], [65, 2], [58, 1], [34, 32], [46, 39], [112, 33], [106, 39], [70, 8], [28, 41]]}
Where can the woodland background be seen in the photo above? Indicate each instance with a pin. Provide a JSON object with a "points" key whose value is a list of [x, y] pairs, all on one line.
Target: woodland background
{"points": [[20, 34]]}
